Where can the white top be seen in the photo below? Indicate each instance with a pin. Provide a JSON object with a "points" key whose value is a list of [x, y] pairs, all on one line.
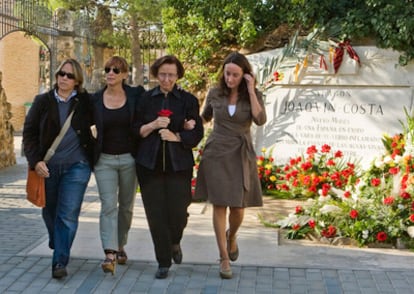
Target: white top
{"points": [[232, 109]]}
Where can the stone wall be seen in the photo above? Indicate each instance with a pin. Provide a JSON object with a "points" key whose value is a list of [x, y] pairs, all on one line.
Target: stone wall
{"points": [[7, 155]]}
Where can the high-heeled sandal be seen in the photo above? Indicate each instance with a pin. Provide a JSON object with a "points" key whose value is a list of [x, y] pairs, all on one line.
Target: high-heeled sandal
{"points": [[108, 265], [235, 254], [225, 273], [121, 257]]}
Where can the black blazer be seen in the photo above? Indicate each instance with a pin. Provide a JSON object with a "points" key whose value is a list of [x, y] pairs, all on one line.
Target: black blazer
{"points": [[184, 105], [42, 125], [133, 94]]}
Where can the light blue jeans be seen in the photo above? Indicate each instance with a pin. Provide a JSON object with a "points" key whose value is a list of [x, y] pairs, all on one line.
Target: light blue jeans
{"points": [[65, 189], [117, 185]]}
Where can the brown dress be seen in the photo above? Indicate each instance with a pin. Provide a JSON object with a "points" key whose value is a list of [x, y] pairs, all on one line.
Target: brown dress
{"points": [[227, 175]]}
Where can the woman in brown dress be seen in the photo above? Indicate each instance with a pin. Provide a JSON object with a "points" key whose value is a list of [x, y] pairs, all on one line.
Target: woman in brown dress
{"points": [[227, 174]]}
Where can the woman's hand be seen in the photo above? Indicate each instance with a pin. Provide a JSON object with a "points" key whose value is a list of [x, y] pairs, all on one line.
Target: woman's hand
{"points": [[250, 82], [167, 135], [41, 169], [160, 123], [189, 124]]}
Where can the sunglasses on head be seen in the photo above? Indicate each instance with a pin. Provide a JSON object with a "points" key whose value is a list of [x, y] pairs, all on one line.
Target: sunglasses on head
{"points": [[68, 74], [114, 69]]}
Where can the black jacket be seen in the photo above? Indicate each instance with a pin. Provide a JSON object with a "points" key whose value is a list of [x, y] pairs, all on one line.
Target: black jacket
{"points": [[133, 94], [42, 125], [184, 106]]}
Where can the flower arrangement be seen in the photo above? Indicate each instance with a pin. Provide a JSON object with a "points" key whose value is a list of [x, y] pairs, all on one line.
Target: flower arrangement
{"points": [[316, 173], [375, 207], [267, 171]]}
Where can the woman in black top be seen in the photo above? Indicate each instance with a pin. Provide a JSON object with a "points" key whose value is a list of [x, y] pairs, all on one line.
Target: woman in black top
{"points": [[115, 174]]}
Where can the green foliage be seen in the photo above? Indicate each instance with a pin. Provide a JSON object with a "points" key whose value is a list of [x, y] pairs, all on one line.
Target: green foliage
{"points": [[201, 32]]}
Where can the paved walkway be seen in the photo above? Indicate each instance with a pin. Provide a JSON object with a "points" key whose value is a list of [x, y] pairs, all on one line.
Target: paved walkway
{"points": [[264, 266]]}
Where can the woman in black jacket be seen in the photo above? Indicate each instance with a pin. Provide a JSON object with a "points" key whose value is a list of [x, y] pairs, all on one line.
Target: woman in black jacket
{"points": [[169, 125], [67, 173]]}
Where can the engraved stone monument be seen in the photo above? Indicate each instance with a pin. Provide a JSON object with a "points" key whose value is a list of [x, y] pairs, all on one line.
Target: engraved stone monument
{"points": [[349, 110]]}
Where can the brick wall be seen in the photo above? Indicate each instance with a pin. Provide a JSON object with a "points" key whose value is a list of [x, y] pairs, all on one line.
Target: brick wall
{"points": [[19, 63]]}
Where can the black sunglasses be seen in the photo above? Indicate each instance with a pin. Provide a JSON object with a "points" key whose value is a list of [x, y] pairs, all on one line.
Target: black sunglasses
{"points": [[114, 69], [68, 74]]}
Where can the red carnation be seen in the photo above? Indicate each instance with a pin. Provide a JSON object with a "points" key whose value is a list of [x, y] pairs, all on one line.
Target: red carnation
{"points": [[165, 112], [311, 150], [325, 148]]}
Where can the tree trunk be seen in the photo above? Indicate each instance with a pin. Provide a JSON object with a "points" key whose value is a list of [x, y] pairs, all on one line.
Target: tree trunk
{"points": [[137, 72]]}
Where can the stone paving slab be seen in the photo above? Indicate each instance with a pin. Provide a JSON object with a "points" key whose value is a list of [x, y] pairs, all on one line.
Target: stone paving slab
{"points": [[31, 274]]}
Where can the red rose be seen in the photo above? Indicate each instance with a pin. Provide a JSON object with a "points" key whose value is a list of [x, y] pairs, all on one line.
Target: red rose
{"points": [[412, 218], [330, 232], [388, 200], [165, 112], [375, 182], [353, 214], [382, 236], [311, 223], [394, 170]]}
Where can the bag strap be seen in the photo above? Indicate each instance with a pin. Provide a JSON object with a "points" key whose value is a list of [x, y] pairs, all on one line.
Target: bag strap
{"points": [[51, 151]]}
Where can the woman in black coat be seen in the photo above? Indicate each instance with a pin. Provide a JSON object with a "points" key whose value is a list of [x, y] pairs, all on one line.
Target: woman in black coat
{"points": [[68, 171], [169, 125]]}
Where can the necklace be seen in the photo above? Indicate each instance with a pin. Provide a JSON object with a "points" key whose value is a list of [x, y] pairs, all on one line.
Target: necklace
{"points": [[114, 100]]}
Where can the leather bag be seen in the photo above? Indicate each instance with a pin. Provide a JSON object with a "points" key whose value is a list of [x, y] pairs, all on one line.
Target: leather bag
{"points": [[35, 188]]}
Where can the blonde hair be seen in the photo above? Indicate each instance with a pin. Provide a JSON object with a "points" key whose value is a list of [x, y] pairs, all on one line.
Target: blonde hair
{"points": [[77, 72]]}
